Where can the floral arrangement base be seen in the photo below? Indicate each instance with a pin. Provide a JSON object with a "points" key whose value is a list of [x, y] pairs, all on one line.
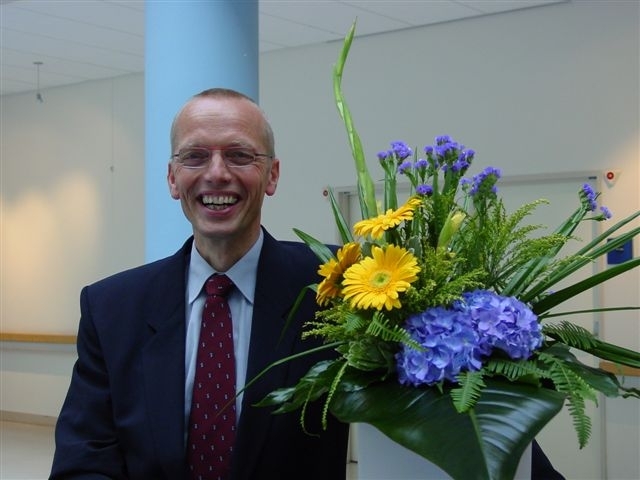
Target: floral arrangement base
{"points": [[380, 458]]}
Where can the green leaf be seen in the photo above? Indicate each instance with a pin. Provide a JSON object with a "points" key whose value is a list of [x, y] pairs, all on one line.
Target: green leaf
{"points": [[560, 296], [343, 227], [310, 387], [490, 438], [366, 188], [323, 252]]}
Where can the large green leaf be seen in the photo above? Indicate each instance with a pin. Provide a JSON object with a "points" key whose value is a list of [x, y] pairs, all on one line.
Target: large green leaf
{"points": [[490, 438]]}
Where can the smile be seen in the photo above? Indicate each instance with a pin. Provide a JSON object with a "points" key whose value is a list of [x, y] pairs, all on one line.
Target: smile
{"points": [[218, 202]]}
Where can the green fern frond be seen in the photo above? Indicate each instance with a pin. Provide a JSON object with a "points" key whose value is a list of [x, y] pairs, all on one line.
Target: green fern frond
{"points": [[514, 370], [571, 334], [467, 393], [381, 327], [577, 391], [581, 421]]}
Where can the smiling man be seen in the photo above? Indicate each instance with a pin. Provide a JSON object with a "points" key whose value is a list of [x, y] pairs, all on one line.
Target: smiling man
{"points": [[165, 348]]}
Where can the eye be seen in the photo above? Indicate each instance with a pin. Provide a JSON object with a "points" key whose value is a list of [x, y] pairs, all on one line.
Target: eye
{"points": [[191, 157], [239, 156]]}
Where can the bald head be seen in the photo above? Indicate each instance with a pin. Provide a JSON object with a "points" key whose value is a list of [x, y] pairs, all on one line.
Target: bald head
{"points": [[227, 94]]}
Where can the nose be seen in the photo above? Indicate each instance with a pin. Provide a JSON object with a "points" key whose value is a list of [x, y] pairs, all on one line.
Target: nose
{"points": [[217, 168]]}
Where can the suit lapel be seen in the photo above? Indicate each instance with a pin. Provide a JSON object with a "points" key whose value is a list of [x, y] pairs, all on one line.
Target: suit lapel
{"points": [[163, 360], [273, 300]]}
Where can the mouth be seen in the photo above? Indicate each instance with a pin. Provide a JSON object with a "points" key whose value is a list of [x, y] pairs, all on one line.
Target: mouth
{"points": [[218, 202]]}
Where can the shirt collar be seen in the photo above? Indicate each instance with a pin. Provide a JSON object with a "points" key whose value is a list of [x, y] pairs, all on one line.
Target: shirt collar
{"points": [[242, 273]]}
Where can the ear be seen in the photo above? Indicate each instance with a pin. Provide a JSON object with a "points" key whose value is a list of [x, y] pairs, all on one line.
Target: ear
{"points": [[274, 175], [171, 180]]}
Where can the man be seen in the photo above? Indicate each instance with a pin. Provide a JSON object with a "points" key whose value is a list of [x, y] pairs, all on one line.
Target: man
{"points": [[128, 412]]}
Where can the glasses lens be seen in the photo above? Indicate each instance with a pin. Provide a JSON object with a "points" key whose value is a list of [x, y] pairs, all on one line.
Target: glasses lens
{"points": [[194, 157], [238, 156]]}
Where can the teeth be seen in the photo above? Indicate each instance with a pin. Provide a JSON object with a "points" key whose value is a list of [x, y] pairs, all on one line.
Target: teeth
{"points": [[219, 200]]}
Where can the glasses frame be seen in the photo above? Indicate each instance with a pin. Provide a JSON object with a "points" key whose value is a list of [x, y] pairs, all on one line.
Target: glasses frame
{"points": [[215, 148]]}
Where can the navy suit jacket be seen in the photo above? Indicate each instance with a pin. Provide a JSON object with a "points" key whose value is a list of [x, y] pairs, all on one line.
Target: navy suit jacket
{"points": [[124, 413]]}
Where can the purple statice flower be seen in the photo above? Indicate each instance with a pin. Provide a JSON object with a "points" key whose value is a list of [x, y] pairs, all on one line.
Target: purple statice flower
{"points": [[456, 339], [460, 165], [485, 181], [503, 323], [428, 150], [450, 345], [443, 149], [468, 155], [443, 139], [606, 213], [424, 189], [405, 166], [382, 156], [421, 164], [401, 150], [588, 196]]}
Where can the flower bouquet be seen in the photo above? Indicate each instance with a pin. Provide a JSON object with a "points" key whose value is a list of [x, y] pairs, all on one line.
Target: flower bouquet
{"points": [[437, 307]]}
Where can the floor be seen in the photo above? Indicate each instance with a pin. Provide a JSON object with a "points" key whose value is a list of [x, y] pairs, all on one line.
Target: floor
{"points": [[26, 451]]}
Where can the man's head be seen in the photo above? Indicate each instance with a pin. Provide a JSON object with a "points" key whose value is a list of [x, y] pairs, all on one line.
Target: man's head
{"points": [[223, 163]]}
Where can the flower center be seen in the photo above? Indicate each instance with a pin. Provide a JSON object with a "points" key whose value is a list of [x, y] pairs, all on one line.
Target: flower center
{"points": [[380, 279]]}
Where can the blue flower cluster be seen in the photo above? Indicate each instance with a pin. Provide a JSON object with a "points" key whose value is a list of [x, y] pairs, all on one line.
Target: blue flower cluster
{"points": [[588, 197], [483, 183], [457, 339]]}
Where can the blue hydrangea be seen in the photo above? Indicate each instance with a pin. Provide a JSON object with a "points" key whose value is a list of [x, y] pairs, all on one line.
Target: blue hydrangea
{"points": [[503, 323], [450, 345], [457, 339]]}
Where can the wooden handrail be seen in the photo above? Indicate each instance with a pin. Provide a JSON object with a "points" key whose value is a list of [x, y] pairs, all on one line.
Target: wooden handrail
{"points": [[71, 339], [37, 338], [621, 370]]}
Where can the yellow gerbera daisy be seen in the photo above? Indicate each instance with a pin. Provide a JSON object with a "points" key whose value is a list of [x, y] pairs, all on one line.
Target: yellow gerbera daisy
{"points": [[332, 271], [375, 227], [376, 281]]}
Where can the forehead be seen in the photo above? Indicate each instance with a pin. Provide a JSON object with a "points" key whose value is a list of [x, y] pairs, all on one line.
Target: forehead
{"points": [[220, 120]]}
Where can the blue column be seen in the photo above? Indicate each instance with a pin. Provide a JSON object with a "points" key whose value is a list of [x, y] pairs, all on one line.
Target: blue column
{"points": [[189, 46]]}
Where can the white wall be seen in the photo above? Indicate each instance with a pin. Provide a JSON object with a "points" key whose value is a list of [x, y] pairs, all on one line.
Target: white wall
{"points": [[546, 90]]}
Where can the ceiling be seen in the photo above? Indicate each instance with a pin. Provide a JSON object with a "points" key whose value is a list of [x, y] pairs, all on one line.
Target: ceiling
{"points": [[80, 40]]}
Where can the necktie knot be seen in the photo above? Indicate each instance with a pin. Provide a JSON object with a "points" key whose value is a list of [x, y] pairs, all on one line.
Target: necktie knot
{"points": [[218, 285]]}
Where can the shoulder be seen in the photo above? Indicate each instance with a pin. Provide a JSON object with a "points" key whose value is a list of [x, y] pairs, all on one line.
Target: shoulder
{"points": [[165, 269]]}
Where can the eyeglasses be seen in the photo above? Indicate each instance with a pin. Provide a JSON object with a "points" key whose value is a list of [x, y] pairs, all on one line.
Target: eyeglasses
{"points": [[199, 157]]}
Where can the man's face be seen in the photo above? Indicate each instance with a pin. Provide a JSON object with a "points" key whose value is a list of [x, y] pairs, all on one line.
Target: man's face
{"points": [[237, 192]]}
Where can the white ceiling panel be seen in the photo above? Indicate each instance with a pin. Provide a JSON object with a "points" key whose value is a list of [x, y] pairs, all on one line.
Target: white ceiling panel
{"points": [[79, 40], [413, 13], [87, 12]]}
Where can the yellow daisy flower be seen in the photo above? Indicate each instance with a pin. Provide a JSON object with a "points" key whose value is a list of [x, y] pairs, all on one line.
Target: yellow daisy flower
{"points": [[375, 227], [376, 281], [333, 270]]}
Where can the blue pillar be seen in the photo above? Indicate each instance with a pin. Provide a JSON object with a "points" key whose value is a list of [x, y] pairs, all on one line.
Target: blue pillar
{"points": [[189, 46]]}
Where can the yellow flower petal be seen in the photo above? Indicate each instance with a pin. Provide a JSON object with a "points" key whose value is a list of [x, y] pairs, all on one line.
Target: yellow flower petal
{"points": [[333, 269], [376, 281], [375, 227]]}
